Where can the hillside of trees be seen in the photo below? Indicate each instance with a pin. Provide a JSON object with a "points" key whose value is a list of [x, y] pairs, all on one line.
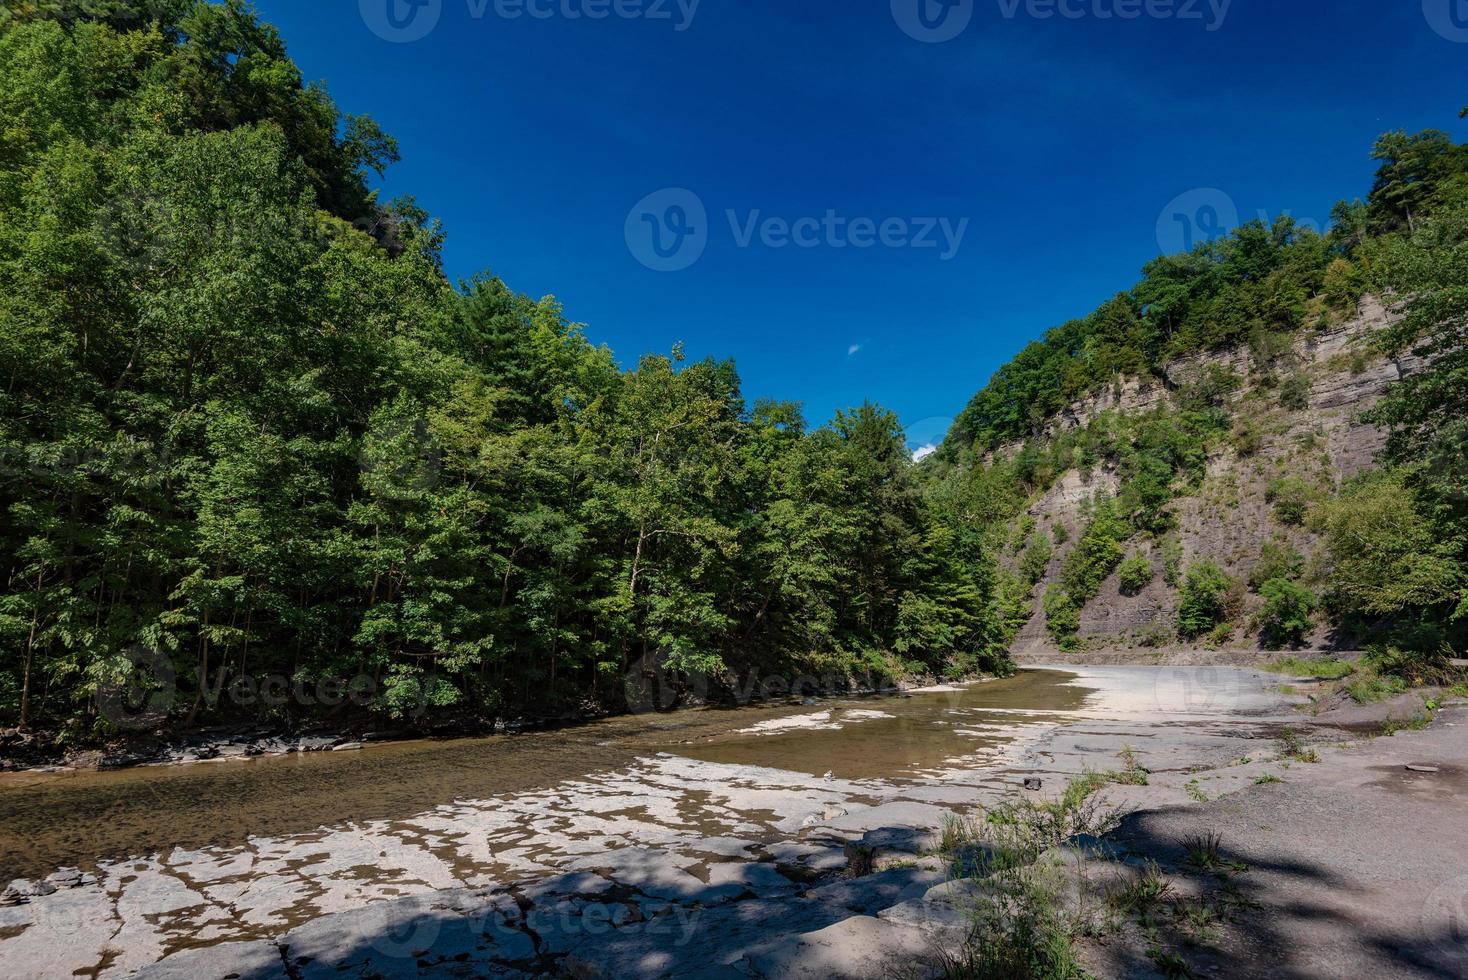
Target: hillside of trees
{"points": [[1393, 576], [249, 429]]}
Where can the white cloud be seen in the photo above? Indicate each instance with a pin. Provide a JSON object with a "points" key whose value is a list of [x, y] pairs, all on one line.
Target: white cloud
{"points": [[851, 351], [923, 453]]}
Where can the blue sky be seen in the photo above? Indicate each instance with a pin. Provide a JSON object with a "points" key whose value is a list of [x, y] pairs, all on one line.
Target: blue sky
{"points": [[1054, 144]]}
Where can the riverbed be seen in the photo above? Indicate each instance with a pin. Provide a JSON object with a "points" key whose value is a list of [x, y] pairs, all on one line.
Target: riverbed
{"points": [[147, 864]]}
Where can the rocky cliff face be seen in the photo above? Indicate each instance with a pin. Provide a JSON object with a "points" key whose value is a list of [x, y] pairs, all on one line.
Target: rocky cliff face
{"points": [[1315, 435]]}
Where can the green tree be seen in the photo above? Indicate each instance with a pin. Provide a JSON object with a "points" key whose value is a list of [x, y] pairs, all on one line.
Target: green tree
{"points": [[1202, 603], [1288, 613]]}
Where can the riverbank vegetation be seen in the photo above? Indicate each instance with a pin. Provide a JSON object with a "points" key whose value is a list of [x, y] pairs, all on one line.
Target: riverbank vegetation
{"points": [[250, 431]]}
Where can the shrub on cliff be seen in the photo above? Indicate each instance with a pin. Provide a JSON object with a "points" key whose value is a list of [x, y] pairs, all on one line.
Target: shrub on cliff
{"points": [[1203, 603], [1288, 614], [1136, 572]]}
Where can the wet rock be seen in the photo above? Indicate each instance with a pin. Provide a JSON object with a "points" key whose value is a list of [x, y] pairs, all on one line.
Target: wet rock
{"points": [[315, 743], [347, 747], [1034, 783]]}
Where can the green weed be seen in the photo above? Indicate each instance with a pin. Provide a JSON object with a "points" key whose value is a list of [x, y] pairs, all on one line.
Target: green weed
{"points": [[1327, 668]]}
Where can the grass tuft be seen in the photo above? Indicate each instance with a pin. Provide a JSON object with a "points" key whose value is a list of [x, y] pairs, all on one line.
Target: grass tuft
{"points": [[1327, 668]]}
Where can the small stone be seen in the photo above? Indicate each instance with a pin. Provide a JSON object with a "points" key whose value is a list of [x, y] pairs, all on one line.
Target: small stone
{"points": [[1034, 783], [1416, 768], [346, 747]]}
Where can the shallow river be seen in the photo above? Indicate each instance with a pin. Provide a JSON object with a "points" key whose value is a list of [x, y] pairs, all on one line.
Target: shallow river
{"points": [[183, 856]]}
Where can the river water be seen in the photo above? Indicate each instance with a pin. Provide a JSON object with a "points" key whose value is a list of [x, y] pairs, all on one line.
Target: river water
{"points": [[183, 856]]}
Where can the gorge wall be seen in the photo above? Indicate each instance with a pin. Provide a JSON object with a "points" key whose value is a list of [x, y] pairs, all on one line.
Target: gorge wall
{"points": [[1314, 437]]}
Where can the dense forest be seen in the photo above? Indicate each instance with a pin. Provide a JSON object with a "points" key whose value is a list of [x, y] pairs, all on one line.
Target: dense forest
{"points": [[249, 429]]}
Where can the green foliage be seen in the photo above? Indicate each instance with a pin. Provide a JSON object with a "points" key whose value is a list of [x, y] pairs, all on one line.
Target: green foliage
{"points": [[1388, 558], [1246, 436], [1097, 553], [1294, 392], [1036, 558], [1326, 667], [1292, 497], [248, 425], [1203, 604], [1135, 573], [1292, 746], [1277, 559], [1370, 688], [1288, 613], [1062, 617], [1172, 561]]}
